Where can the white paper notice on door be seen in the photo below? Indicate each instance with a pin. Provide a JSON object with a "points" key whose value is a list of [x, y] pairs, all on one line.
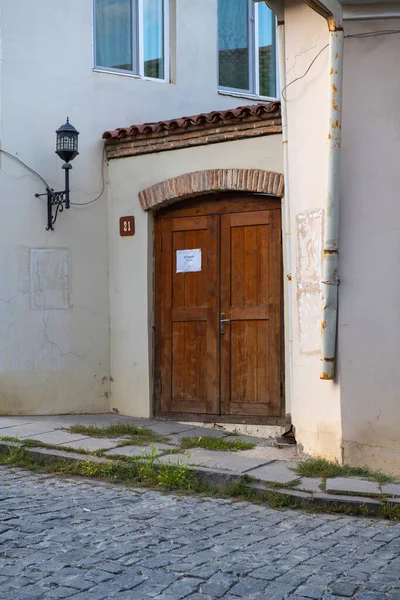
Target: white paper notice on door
{"points": [[188, 261]]}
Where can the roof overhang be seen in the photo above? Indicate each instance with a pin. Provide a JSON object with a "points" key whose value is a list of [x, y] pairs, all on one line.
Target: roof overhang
{"points": [[352, 9]]}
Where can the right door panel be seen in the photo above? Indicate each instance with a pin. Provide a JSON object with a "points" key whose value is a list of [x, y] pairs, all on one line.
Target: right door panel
{"points": [[250, 328]]}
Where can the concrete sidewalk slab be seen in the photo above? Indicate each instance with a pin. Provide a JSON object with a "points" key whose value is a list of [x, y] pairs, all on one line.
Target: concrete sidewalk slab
{"points": [[56, 437], [139, 450], [219, 460], [7, 422], [30, 430], [351, 485], [170, 427], [92, 444], [309, 484], [249, 439], [197, 432], [277, 472], [271, 454], [392, 489]]}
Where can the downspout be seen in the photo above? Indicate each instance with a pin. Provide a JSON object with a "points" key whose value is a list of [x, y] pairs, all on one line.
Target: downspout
{"points": [[277, 6], [331, 10]]}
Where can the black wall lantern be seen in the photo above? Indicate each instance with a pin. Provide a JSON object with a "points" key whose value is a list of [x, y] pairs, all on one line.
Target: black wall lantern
{"points": [[67, 149]]}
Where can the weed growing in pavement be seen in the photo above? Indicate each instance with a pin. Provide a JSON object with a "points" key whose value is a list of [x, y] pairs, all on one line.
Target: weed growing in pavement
{"points": [[288, 485], [137, 435], [211, 443], [151, 473], [320, 467], [242, 488]]}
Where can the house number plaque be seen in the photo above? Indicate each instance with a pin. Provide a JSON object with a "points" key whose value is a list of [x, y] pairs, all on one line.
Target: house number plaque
{"points": [[126, 226]]}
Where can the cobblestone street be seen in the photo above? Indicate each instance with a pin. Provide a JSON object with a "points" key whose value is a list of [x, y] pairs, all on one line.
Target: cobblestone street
{"points": [[83, 540]]}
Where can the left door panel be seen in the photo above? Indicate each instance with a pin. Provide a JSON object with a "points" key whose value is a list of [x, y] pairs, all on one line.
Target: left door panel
{"points": [[189, 315]]}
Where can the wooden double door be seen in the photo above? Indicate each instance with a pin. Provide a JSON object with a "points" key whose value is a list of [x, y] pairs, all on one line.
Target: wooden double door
{"points": [[219, 309]]}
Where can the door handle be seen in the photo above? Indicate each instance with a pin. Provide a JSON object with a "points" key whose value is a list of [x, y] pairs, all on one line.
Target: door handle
{"points": [[222, 322]]}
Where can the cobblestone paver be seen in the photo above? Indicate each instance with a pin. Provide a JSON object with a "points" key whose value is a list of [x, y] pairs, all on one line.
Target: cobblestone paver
{"points": [[87, 541]]}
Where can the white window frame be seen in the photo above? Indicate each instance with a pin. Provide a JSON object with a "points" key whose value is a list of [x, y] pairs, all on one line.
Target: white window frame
{"points": [[254, 72], [137, 44]]}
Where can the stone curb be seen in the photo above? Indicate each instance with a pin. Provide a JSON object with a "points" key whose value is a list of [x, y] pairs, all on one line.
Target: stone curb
{"points": [[221, 479]]}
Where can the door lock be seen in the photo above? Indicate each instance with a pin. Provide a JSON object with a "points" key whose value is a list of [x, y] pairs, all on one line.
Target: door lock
{"points": [[222, 322]]}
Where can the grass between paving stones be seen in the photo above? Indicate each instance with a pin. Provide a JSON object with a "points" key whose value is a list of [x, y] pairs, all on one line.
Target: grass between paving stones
{"points": [[210, 443], [136, 435], [284, 486], [149, 473], [165, 477], [319, 467]]}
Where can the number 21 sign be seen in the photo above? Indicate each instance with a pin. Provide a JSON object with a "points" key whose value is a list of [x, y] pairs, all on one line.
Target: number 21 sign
{"points": [[127, 226]]}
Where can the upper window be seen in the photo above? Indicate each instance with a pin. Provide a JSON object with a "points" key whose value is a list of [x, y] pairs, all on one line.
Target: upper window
{"points": [[247, 48], [131, 37]]}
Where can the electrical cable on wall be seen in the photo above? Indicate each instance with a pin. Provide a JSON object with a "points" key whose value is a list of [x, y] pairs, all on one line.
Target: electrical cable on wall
{"points": [[367, 34], [21, 162], [103, 187], [48, 188]]}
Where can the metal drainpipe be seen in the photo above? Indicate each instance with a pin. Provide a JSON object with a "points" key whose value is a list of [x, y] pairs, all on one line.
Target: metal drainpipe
{"points": [[332, 11]]}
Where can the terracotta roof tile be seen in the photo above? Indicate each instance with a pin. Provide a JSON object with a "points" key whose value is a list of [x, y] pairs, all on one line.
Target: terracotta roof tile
{"points": [[242, 113]]}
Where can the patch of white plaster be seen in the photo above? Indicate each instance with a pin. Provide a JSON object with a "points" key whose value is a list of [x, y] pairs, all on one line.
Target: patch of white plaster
{"points": [[308, 276], [49, 279]]}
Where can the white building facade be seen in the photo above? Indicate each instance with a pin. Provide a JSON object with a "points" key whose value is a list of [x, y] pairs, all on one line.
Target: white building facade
{"points": [[93, 320], [104, 64]]}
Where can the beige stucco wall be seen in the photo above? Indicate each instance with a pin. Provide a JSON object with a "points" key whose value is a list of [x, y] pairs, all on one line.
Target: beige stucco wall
{"points": [[131, 258], [369, 330], [54, 304], [315, 403], [354, 419]]}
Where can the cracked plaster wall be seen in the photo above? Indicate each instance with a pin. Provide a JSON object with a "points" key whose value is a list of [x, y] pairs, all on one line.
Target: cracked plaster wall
{"points": [[57, 360]]}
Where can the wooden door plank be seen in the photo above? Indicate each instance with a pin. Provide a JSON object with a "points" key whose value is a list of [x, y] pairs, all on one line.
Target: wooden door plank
{"points": [[158, 309], [189, 314], [178, 280], [166, 325], [263, 265], [220, 205], [189, 224], [190, 361], [253, 408], [177, 365], [190, 279], [201, 364], [228, 295], [233, 246], [275, 336], [263, 349], [250, 218], [249, 313], [202, 241], [213, 275], [250, 258]]}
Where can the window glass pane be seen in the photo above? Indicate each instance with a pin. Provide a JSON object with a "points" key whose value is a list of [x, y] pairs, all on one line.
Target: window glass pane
{"points": [[153, 37], [233, 44], [114, 34], [267, 49]]}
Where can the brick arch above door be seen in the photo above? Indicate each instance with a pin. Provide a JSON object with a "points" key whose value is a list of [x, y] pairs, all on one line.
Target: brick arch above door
{"points": [[214, 180]]}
